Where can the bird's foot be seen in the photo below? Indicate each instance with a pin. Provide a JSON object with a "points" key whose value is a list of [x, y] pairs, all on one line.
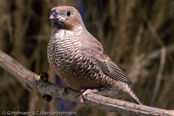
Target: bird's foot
{"points": [[85, 92]]}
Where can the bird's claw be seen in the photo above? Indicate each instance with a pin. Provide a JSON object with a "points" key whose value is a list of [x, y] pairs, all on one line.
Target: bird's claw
{"points": [[85, 92]]}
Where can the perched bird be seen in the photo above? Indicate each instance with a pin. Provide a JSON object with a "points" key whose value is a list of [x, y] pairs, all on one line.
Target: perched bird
{"points": [[80, 60]]}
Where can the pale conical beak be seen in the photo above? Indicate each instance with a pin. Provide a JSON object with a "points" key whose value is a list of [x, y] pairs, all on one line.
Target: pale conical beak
{"points": [[51, 17]]}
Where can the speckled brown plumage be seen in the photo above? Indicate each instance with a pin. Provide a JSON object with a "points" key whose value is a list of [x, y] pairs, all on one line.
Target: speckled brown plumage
{"points": [[79, 59]]}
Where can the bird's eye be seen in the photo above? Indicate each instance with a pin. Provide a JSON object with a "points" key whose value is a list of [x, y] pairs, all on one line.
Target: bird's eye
{"points": [[68, 13]]}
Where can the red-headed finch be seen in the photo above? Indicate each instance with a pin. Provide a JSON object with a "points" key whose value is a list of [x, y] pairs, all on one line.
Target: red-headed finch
{"points": [[80, 60]]}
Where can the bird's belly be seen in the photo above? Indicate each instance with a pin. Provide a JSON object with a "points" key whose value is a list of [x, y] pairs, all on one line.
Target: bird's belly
{"points": [[75, 73], [76, 70], [74, 77], [78, 83]]}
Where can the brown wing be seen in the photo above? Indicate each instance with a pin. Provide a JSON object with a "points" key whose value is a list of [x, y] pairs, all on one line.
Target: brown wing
{"points": [[94, 49], [112, 70]]}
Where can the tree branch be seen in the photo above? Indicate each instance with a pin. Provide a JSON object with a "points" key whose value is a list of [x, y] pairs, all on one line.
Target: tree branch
{"points": [[101, 102]]}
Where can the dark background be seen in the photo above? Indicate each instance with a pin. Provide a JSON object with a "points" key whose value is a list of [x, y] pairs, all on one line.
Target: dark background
{"points": [[138, 35]]}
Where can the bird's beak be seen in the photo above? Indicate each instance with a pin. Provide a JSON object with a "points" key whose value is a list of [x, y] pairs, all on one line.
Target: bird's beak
{"points": [[56, 15], [51, 17], [53, 14]]}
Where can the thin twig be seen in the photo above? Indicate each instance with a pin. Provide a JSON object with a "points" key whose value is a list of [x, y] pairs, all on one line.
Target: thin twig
{"points": [[94, 100], [159, 76], [141, 61], [154, 33]]}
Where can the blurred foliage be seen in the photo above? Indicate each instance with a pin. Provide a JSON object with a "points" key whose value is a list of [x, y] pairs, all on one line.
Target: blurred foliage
{"points": [[138, 35]]}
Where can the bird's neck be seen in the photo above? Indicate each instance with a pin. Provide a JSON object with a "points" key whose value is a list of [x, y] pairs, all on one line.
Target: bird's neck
{"points": [[77, 30]]}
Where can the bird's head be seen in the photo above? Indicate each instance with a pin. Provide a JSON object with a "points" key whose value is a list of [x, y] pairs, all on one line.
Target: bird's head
{"points": [[65, 17]]}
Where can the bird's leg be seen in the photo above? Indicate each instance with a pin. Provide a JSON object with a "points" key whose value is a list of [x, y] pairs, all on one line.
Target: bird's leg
{"points": [[87, 91]]}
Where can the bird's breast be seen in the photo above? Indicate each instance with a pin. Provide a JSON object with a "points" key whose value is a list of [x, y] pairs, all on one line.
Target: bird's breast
{"points": [[61, 51], [77, 70]]}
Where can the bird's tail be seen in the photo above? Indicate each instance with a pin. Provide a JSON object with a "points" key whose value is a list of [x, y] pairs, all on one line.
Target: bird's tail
{"points": [[120, 90], [127, 90]]}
